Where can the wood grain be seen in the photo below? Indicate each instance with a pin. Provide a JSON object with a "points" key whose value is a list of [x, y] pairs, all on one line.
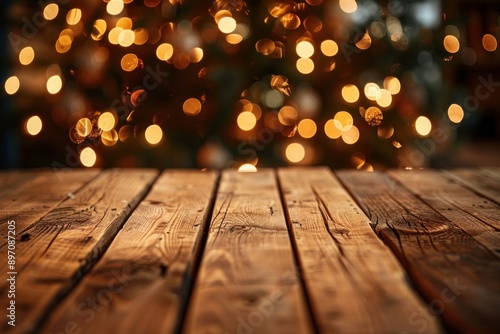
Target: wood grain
{"points": [[355, 283], [11, 180], [457, 275], [141, 283], [484, 181], [476, 215], [247, 280], [67, 241]]}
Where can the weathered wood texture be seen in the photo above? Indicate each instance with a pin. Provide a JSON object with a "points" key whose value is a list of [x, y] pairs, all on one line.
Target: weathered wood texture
{"points": [[142, 282], [355, 283], [248, 281], [67, 241], [457, 274], [484, 181]]}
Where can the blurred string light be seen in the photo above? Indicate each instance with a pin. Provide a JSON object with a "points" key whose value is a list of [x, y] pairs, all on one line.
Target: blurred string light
{"points": [[309, 41]]}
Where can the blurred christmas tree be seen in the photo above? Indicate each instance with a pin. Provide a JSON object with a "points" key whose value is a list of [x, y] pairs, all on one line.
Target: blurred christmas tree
{"points": [[226, 83]]}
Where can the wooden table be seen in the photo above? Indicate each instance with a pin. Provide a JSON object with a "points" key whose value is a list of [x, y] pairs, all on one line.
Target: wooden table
{"points": [[278, 251]]}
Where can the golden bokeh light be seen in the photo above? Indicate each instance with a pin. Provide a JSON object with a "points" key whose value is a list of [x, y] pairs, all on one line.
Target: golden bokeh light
{"points": [[351, 136], [126, 38], [384, 99], [343, 120], [305, 65], [348, 6], [114, 35], [304, 49], [234, 38], [331, 130], [385, 131], [106, 121], [288, 115], [83, 127], [50, 11], [124, 23], [374, 116], [489, 42], [358, 159], [246, 121], [295, 152], [196, 55], [129, 62], [191, 106], [141, 36], [54, 84], [88, 157], [247, 168], [227, 24], [423, 126], [109, 138], [164, 51], [290, 21], [455, 113], [26, 55], [98, 30], [12, 85], [365, 42], [350, 93], [451, 44], [265, 46], [33, 125], [74, 16], [153, 134], [307, 128], [372, 91], [329, 48], [115, 7], [392, 84]]}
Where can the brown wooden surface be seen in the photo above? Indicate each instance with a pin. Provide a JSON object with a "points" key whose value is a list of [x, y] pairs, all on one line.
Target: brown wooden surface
{"points": [[355, 283], [456, 274], [147, 270], [292, 251]]}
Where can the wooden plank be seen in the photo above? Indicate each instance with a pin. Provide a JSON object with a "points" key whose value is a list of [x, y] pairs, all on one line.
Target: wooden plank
{"points": [[40, 193], [475, 215], [148, 267], [247, 280], [355, 283], [10, 180], [456, 274], [67, 241], [484, 181]]}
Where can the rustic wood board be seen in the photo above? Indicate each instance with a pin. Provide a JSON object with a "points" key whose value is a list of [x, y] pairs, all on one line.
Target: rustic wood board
{"points": [[476, 215], [457, 275], [485, 182], [141, 283], [66, 242], [248, 281], [36, 196], [11, 180], [355, 283]]}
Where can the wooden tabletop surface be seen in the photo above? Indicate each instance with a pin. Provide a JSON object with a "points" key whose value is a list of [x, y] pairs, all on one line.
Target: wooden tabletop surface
{"points": [[292, 250]]}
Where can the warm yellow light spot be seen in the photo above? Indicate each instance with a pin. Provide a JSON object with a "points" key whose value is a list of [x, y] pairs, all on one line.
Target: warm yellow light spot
{"points": [[227, 25], [489, 42], [114, 35], [343, 120], [221, 14], [365, 42], [126, 38], [423, 126], [374, 116], [247, 168], [88, 157], [305, 65], [33, 125], [246, 121], [129, 62], [384, 99], [358, 159], [455, 113], [350, 93], [348, 6], [196, 55], [234, 38], [74, 16], [109, 138], [288, 115], [396, 144], [54, 84], [304, 49], [50, 11], [114, 7], [329, 48], [141, 36], [392, 84], [83, 127], [192, 107], [63, 44], [106, 121], [295, 152], [26, 55], [331, 130], [124, 23], [351, 136], [451, 44], [372, 91], [98, 29], [164, 51], [290, 21], [265, 46], [307, 128], [12, 85], [153, 134]]}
